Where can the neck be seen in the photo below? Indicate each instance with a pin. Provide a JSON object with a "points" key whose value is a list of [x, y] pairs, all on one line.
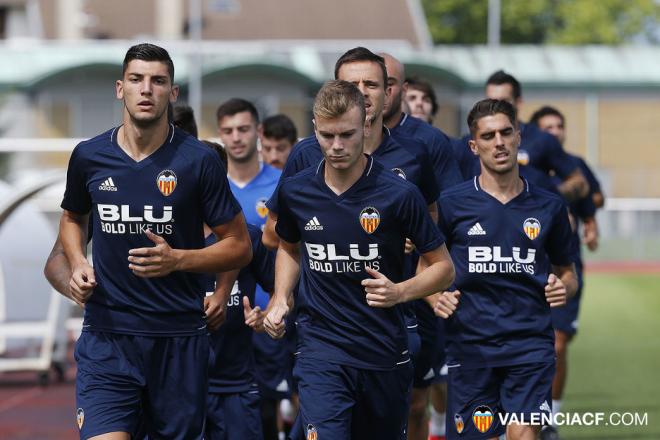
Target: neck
{"points": [[341, 180], [503, 187], [394, 119], [243, 172], [139, 142], [372, 142]]}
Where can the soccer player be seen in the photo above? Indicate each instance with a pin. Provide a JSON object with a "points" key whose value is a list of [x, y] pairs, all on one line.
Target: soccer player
{"points": [[429, 358], [565, 319], [421, 99], [408, 129], [252, 183], [152, 187], [277, 135], [368, 72], [537, 148], [342, 226], [511, 244], [233, 407]]}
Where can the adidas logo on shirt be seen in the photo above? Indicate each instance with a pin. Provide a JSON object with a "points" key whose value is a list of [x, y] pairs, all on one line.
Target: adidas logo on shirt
{"points": [[108, 185], [313, 225], [476, 230]]}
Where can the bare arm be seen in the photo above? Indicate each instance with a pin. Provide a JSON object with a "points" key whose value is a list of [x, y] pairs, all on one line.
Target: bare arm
{"points": [[269, 237], [57, 269], [568, 278], [590, 233], [73, 233], [574, 187], [287, 272], [232, 251], [439, 275]]}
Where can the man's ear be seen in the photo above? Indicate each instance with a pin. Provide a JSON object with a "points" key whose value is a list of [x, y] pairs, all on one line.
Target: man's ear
{"points": [[119, 89], [174, 94], [473, 147]]}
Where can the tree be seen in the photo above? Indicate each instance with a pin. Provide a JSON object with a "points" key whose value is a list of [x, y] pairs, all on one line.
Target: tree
{"points": [[544, 21]]}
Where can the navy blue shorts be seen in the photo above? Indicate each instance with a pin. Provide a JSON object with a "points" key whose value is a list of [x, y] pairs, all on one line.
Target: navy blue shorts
{"points": [[565, 319], [476, 396], [233, 416], [414, 342], [428, 362], [340, 402], [160, 382]]}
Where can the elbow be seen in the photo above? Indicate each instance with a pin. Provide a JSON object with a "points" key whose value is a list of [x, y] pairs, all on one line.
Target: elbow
{"points": [[270, 240], [448, 276], [582, 186], [244, 255]]}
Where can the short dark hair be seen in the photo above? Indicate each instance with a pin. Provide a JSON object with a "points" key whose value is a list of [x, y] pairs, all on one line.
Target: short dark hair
{"points": [[545, 111], [280, 127], [426, 88], [148, 52], [234, 106], [361, 54], [490, 107], [218, 149], [501, 77], [183, 117]]}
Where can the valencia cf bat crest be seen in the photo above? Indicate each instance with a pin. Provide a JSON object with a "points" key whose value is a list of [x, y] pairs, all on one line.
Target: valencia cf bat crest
{"points": [[311, 432], [262, 209], [80, 417], [369, 219], [458, 421], [532, 228], [166, 182], [482, 418]]}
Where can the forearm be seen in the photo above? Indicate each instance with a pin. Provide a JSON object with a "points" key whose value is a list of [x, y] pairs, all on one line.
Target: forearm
{"points": [[287, 272], [73, 238], [57, 269], [224, 283], [437, 277], [269, 237], [568, 277], [574, 187], [422, 264], [230, 253]]}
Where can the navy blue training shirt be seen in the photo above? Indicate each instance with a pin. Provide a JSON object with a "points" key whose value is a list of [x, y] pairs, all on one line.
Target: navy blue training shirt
{"points": [[340, 235], [437, 144], [231, 364], [173, 192], [503, 255]]}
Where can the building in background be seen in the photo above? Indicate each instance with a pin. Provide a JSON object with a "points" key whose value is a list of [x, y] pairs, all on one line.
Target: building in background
{"points": [[59, 60]]}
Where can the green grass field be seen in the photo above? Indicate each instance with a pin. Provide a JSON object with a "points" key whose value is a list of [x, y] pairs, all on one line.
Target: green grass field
{"points": [[615, 358]]}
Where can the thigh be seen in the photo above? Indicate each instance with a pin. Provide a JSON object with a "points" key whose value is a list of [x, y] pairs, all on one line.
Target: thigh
{"points": [[473, 403], [327, 397], [109, 384], [177, 386], [527, 389], [382, 409]]}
